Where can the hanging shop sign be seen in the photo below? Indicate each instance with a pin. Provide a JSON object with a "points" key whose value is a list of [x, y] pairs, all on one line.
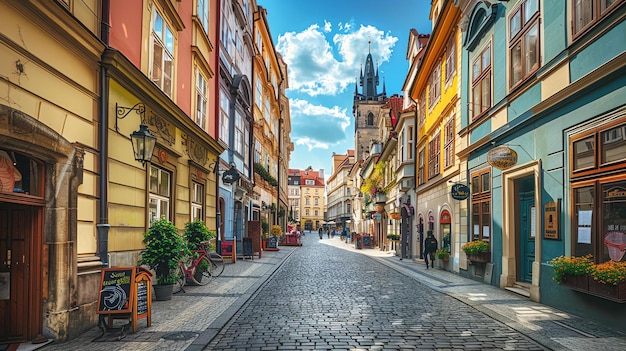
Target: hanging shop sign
{"points": [[460, 191], [230, 176], [502, 157]]}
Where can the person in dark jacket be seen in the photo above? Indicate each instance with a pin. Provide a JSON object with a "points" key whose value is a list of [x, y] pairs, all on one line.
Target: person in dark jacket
{"points": [[430, 246]]}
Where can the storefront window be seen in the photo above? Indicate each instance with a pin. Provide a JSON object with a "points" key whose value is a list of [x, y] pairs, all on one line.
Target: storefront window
{"points": [[481, 205], [599, 192], [20, 174]]}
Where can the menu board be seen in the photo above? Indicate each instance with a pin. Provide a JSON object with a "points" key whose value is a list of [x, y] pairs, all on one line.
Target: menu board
{"points": [[142, 297], [272, 243], [115, 290]]}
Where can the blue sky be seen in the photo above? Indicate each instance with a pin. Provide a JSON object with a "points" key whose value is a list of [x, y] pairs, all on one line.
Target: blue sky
{"points": [[324, 44]]}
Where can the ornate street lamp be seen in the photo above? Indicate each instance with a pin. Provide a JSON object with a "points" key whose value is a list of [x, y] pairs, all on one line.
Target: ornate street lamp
{"points": [[143, 144]]}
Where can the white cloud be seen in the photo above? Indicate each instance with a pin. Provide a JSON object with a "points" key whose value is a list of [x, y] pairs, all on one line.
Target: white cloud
{"points": [[317, 126], [328, 27], [318, 68]]}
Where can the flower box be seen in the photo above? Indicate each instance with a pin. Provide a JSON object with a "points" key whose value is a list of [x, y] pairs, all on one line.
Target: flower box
{"points": [[481, 257], [578, 282], [612, 292]]}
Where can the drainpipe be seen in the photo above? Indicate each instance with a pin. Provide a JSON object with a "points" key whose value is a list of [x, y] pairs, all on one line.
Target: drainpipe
{"points": [[103, 225]]}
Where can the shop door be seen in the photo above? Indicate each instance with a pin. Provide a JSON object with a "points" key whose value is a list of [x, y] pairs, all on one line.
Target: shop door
{"points": [[15, 231], [526, 235]]}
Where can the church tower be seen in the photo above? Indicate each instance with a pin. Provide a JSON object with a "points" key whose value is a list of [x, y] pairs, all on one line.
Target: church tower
{"points": [[366, 109]]}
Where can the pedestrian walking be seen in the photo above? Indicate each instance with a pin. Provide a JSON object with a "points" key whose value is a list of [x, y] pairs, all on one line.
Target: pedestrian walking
{"points": [[430, 246], [321, 233]]}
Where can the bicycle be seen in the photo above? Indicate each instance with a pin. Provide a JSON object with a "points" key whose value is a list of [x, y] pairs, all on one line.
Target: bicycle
{"points": [[198, 270]]}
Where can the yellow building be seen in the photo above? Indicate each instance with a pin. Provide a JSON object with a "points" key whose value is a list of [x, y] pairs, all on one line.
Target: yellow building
{"points": [[436, 90]]}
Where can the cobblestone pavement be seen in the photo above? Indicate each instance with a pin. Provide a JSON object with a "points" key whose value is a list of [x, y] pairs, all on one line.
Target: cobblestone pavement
{"points": [[326, 298], [326, 295]]}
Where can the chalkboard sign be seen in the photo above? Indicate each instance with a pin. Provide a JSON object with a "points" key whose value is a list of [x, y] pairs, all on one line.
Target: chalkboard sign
{"points": [[272, 243], [367, 241], [247, 247], [142, 297], [115, 290], [359, 242]]}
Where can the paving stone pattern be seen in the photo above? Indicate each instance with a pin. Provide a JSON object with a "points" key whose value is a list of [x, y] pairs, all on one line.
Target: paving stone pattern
{"points": [[326, 298]]}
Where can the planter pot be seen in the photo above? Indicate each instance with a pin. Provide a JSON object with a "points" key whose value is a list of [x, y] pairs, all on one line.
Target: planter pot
{"points": [[380, 207], [482, 257], [610, 292], [576, 282], [446, 259], [163, 292]]}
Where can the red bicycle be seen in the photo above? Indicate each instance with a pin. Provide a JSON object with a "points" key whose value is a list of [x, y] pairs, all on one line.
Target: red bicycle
{"points": [[196, 268]]}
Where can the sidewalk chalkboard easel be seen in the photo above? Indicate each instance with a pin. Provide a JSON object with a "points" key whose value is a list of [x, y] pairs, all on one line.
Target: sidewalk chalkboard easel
{"points": [[124, 292]]}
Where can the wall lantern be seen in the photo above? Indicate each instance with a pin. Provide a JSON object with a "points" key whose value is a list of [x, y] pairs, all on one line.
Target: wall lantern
{"points": [[143, 142]]}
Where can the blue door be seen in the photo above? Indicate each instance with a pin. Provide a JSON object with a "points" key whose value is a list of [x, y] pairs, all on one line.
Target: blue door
{"points": [[526, 232]]}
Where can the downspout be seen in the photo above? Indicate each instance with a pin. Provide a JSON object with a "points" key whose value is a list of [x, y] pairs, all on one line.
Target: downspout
{"points": [[103, 225], [218, 214]]}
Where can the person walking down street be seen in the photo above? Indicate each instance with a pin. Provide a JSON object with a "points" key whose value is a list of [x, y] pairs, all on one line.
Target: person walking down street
{"points": [[430, 246], [321, 233]]}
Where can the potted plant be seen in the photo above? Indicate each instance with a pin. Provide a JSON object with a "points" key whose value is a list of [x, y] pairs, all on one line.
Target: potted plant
{"points": [[571, 271], [163, 252], [443, 254], [477, 250]]}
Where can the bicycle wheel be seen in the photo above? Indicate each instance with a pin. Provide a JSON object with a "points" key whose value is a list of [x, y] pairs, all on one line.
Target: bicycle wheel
{"points": [[203, 275], [218, 263], [180, 279]]}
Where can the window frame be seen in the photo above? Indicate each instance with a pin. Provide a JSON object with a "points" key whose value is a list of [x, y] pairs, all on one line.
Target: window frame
{"points": [[159, 196], [159, 37], [481, 199], [478, 80], [597, 14], [519, 39], [197, 201], [434, 156], [448, 153]]}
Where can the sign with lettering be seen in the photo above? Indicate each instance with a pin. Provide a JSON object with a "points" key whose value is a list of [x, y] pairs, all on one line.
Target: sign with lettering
{"points": [[230, 176], [460, 191], [502, 157], [272, 243], [115, 290], [551, 211]]}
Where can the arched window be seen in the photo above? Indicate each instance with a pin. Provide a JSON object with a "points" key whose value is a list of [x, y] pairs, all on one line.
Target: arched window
{"points": [[370, 119]]}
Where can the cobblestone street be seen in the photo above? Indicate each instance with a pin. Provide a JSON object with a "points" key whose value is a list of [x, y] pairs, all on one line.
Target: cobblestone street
{"points": [[326, 298], [325, 295]]}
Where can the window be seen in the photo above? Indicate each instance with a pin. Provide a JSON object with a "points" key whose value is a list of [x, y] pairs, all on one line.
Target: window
{"points": [[451, 58], [201, 99], [307, 201], [240, 141], [586, 13], [434, 148], [317, 213], [481, 83], [370, 119], [197, 202], [422, 108], [481, 205], [420, 171], [162, 54], [409, 144], [435, 85], [448, 155], [203, 14], [611, 149], [224, 117], [524, 41], [599, 191], [159, 206]]}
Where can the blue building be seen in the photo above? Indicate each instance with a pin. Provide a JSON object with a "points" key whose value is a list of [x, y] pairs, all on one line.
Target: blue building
{"points": [[544, 110]]}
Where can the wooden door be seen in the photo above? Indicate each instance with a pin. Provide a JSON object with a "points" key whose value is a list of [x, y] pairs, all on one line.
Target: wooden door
{"points": [[15, 274]]}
